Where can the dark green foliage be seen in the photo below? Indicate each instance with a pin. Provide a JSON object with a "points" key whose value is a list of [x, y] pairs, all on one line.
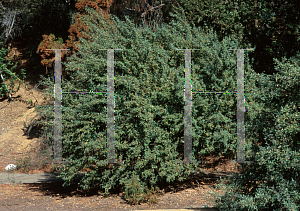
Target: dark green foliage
{"points": [[223, 16], [274, 35], [149, 102], [274, 177]]}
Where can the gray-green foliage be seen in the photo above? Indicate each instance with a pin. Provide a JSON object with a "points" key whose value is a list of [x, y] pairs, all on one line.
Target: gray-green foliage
{"points": [[149, 102], [272, 181]]}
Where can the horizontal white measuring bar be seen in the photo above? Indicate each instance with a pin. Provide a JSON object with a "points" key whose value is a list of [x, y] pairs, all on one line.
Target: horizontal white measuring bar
{"points": [[216, 92]]}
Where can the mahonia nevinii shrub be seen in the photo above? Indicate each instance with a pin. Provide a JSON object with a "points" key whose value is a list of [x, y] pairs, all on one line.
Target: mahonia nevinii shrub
{"points": [[149, 102], [272, 181], [8, 74]]}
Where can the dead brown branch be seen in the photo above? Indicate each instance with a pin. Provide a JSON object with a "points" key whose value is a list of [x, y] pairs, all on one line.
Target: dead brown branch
{"points": [[152, 8]]}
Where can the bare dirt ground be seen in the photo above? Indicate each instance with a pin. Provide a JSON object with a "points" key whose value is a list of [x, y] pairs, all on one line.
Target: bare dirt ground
{"points": [[14, 145]]}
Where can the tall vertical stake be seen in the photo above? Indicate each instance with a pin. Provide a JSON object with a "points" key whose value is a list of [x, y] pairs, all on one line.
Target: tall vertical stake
{"points": [[188, 132], [188, 109], [240, 107], [57, 106], [110, 107]]}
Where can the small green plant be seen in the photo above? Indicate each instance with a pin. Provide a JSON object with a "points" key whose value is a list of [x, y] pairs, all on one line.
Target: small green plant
{"points": [[25, 165], [36, 161], [153, 197], [25, 126], [30, 102], [134, 193], [11, 179], [13, 182], [5, 73]]}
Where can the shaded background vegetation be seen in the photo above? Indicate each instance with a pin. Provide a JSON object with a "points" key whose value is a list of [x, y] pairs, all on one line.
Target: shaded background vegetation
{"points": [[270, 26]]}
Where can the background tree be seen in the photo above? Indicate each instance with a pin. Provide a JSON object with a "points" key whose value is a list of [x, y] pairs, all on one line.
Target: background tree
{"points": [[10, 18], [139, 10], [262, 23], [132, 9], [39, 18], [269, 26], [9, 29]]}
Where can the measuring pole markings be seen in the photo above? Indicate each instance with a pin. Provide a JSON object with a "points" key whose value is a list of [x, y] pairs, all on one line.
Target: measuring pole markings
{"points": [[240, 108], [58, 114], [187, 108]]}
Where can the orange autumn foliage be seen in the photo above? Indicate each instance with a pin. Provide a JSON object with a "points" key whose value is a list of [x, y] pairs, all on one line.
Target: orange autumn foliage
{"points": [[49, 42], [102, 7]]}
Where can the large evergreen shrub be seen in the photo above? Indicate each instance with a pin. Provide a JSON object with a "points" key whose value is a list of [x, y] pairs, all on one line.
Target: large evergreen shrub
{"points": [[149, 102]]}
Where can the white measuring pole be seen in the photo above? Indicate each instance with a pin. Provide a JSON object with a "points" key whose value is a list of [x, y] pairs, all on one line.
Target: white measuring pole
{"points": [[57, 106]]}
